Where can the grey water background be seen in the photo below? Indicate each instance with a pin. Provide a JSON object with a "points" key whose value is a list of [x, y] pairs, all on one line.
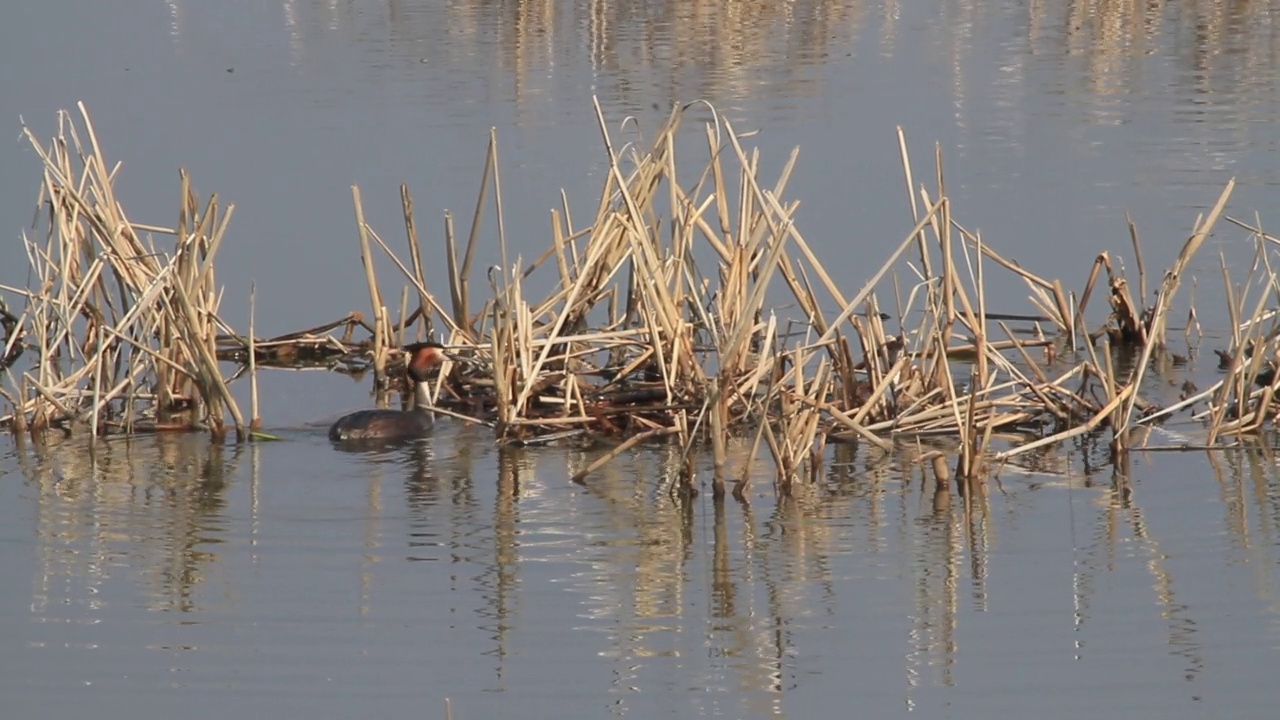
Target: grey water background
{"points": [[162, 576]]}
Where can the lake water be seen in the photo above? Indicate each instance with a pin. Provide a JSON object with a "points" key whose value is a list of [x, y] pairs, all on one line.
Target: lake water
{"points": [[158, 577]]}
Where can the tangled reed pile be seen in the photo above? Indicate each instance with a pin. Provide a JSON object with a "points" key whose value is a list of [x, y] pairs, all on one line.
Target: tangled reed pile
{"points": [[121, 334], [661, 322]]}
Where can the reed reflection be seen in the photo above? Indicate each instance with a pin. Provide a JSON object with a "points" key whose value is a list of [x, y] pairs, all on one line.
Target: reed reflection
{"points": [[768, 576], [1120, 520], [659, 52], [1249, 489], [639, 52], [501, 580], [650, 549], [445, 480], [149, 510], [936, 566]]}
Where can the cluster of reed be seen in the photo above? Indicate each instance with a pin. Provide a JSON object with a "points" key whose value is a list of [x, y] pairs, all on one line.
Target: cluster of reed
{"points": [[120, 333], [661, 322]]}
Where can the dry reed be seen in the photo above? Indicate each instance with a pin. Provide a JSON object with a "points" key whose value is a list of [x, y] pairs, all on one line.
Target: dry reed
{"points": [[660, 323], [696, 355], [122, 333]]}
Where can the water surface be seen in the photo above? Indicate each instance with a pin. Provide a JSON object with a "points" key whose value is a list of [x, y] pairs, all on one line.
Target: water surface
{"points": [[162, 576]]}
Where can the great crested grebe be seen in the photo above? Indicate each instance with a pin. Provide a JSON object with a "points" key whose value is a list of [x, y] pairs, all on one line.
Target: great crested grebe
{"points": [[380, 424]]}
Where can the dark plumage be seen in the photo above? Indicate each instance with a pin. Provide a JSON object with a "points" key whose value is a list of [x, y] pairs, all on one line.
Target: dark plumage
{"points": [[382, 424]]}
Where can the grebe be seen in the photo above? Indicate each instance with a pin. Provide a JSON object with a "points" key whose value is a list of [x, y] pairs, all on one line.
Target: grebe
{"points": [[383, 424]]}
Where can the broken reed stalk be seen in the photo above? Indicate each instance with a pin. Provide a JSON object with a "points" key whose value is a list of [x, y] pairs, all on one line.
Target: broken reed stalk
{"points": [[381, 327], [1244, 401], [1155, 333], [255, 420], [415, 255]]}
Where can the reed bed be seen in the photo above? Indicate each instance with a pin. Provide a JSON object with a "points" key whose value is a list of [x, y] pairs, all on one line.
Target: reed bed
{"points": [[662, 321], [121, 333]]}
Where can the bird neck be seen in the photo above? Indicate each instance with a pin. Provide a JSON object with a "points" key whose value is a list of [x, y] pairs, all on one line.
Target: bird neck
{"points": [[421, 396]]}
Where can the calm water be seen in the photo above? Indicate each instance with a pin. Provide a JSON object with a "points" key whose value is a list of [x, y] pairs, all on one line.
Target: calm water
{"points": [[161, 576]]}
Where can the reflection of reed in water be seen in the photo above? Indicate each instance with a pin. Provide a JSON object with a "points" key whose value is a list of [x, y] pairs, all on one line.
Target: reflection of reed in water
{"points": [[716, 50], [144, 509], [673, 50], [1248, 479], [938, 554], [768, 575], [1115, 34], [1221, 49], [443, 485], [1119, 527], [643, 52]]}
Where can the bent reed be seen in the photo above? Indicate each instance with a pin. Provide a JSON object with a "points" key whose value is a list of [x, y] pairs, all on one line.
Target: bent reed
{"points": [[662, 322]]}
